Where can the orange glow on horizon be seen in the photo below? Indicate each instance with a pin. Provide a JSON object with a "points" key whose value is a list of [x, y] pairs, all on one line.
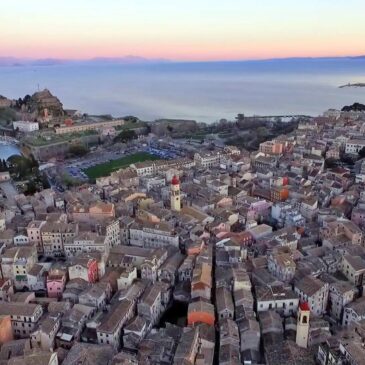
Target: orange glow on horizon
{"points": [[193, 30]]}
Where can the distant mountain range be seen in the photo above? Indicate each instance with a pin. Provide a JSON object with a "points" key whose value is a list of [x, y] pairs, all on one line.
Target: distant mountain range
{"points": [[13, 61], [130, 60]]}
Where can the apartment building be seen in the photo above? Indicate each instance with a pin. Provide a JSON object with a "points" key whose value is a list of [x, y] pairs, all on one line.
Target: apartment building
{"points": [[282, 266], [99, 211], [24, 317], [55, 235], [353, 267], [56, 282], [276, 298], [271, 148], [208, 160], [86, 242], [16, 264], [147, 168], [354, 312], [341, 293], [314, 292], [34, 233], [85, 268], [110, 330], [353, 146], [153, 235], [150, 304]]}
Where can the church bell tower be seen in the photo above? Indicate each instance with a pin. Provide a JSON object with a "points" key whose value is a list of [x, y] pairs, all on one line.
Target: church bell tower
{"points": [[175, 194], [303, 325]]}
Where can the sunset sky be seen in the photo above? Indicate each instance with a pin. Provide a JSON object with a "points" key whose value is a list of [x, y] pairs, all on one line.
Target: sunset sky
{"points": [[182, 30]]}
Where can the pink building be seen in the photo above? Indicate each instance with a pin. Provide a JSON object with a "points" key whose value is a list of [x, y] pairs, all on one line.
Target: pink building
{"points": [[271, 147], [56, 282], [34, 234], [259, 208]]}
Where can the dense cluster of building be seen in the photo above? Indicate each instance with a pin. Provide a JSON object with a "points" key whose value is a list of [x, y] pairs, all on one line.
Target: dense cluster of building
{"points": [[229, 257]]}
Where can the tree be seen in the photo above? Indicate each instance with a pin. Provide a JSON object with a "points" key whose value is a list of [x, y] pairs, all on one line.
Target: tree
{"points": [[170, 128], [33, 161], [69, 181], [262, 132], [31, 188], [330, 163], [27, 99], [354, 107], [78, 150], [45, 182], [20, 166], [362, 153], [347, 159], [126, 136], [131, 119]]}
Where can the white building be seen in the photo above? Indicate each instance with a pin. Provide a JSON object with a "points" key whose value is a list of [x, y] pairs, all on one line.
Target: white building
{"points": [[314, 292], [44, 336], [353, 146], [25, 127], [110, 330], [354, 312], [208, 160], [86, 242], [276, 298], [153, 235], [340, 294], [153, 182], [24, 317], [126, 278], [147, 168]]}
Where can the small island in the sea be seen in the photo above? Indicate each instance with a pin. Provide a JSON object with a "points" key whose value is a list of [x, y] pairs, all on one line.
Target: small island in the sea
{"points": [[359, 84]]}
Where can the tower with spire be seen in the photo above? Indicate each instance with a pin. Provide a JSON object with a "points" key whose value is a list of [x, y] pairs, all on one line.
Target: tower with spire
{"points": [[303, 325], [175, 194]]}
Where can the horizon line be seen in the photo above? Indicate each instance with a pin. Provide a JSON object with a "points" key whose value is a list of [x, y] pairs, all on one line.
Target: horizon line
{"points": [[141, 59]]}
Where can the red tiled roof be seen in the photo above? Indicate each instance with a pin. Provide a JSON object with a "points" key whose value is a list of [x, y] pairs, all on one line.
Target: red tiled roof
{"points": [[175, 180]]}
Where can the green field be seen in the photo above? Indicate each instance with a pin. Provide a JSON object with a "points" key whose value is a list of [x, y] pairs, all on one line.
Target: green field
{"points": [[107, 168]]}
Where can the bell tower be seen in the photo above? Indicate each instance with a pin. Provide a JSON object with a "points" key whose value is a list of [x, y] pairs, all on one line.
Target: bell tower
{"points": [[303, 325], [175, 194]]}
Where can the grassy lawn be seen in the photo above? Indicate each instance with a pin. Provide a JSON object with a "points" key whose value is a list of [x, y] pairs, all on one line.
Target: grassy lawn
{"points": [[42, 139], [108, 167]]}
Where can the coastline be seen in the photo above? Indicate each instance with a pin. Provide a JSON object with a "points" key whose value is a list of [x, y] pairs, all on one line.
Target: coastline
{"points": [[358, 84]]}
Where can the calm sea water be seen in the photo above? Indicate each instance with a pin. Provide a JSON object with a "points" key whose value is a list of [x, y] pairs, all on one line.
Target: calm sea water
{"points": [[8, 150], [202, 91]]}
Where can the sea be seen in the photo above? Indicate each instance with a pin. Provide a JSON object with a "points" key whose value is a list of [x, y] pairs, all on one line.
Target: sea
{"points": [[203, 91], [7, 150]]}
